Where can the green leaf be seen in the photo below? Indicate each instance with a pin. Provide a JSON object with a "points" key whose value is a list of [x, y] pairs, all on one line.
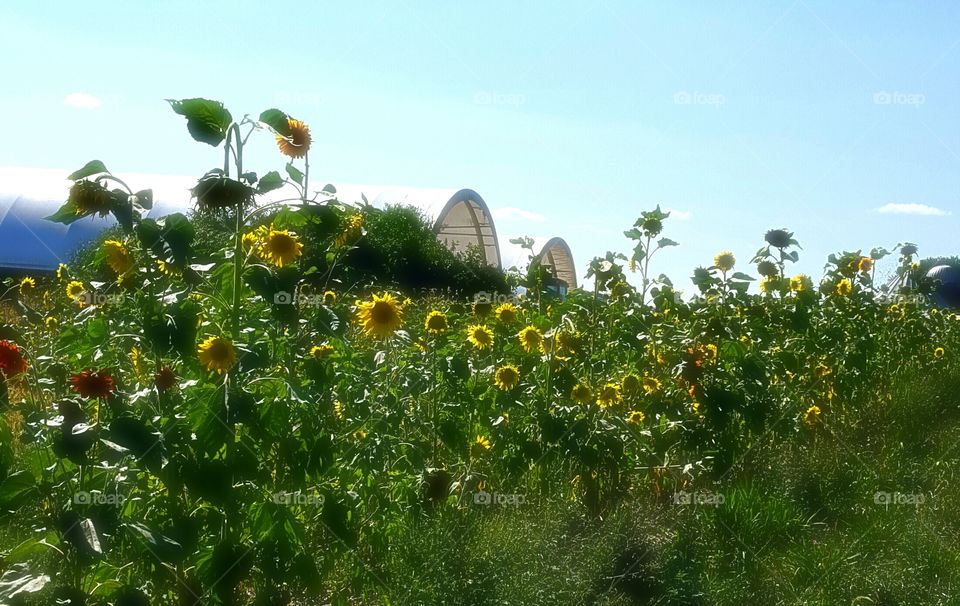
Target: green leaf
{"points": [[93, 167], [66, 214], [742, 276], [294, 173], [269, 182], [145, 199], [207, 121], [277, 120], [15, 487], [664, 242], [17, 580]]}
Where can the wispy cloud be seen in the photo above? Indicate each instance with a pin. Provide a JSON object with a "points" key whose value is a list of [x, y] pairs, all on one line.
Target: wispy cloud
{"points": [[679, 215], [81, 101], [510, 212], [911, 209]]}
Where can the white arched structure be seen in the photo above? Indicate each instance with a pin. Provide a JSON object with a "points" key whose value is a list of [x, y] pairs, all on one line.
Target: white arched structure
{"points": [[28, 242], [556, 254]]}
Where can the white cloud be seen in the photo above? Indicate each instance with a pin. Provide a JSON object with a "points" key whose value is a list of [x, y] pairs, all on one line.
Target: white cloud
{"points": [[911, 209], [679, 215], [81, 101], [510, 212]]}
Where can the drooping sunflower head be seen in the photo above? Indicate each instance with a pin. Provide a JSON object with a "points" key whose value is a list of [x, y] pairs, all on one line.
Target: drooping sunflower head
{"points": [[609, 395], [636, 417], [812, 415], [217, 354], [480, 336], [28, 286], [90, 384], [530, 338], [12, 362], [118, 257], [844, 287], [435, 322], [379, 317], [581, 393], [724, 261], [507, 377], [768, 269], [89, 197], [280, 247], [630, 385], [778, 238], [297, 144], [507, 313]]}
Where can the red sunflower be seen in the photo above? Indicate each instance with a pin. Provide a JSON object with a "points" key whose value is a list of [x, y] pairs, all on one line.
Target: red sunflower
{"points": [[11, 360], [91, 384]]}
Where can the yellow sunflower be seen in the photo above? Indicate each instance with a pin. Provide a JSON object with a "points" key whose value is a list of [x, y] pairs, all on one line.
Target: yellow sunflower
{"points": [[651, 384], [939, 353], [118, 257], [844, 287], [51, 323], [609, 395], [297, 143], [865, 265], [352, 229], [480, 445], [75, 289], [724, 261], [61, 272], [321, 352], [249, 240], [280, 247], [636, 417], [27, 286], [581, 393], [507, 313], [812, 416], [436, 322], [507, 377], [480, 336], [329, 297], [380, 317], [801, 283], [770, 284], [217, 354], [530, 338]]}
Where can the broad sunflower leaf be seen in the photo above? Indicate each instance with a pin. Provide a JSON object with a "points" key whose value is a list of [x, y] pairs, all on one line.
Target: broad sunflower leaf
{"points": [[277, 120], [15, 487], [66, 214], [207, 121], [295, 173], [93, 167], [269, 182]]}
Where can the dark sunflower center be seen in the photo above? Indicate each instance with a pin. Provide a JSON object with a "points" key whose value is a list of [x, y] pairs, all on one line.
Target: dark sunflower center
{"points": [[382, 312]]}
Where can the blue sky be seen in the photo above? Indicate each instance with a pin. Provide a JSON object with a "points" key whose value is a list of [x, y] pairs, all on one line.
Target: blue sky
{"points": [[744, 116]]}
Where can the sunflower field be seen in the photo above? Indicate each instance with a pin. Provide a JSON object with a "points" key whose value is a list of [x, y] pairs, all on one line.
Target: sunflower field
{"points": [[253, 426]]}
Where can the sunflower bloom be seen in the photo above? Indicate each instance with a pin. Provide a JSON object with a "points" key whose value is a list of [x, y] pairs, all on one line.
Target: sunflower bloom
{"points": [[329, 298], [865, 265], [165, 379], [507, 313], [530, 338], [380, 317], [480, 336], [844, 287], [939, 353], [93, 385], [12, 362], [581, 394], [480, 445], [280, 247], [812, 416], [507, 377], [297, 144], [609, 395], [321, 352], [724, 261], [801, 283], [651, 384], [217, 354], [51, 323], [75, 291], [352, 229], [28, 286], [435, 322], [636, 417], [118, 257]]}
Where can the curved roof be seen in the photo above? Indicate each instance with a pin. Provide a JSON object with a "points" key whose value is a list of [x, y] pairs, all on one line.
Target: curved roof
{"points": [[556, 253], [460, 217]]}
